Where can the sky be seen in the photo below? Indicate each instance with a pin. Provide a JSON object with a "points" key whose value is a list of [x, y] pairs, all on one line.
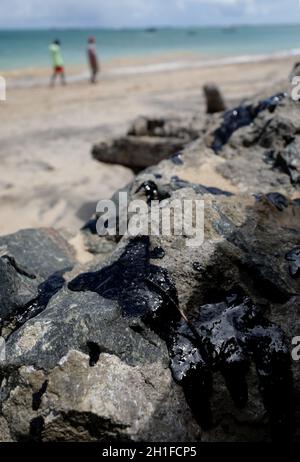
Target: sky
{"points": [[143, 13]]}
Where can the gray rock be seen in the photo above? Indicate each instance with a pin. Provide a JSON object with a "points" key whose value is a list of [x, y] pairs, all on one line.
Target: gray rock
{"points": [[42, 251], [110, 401], [259, 157]]}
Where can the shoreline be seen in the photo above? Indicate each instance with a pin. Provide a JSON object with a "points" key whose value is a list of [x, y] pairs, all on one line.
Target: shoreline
{"points": [[134, 66]]}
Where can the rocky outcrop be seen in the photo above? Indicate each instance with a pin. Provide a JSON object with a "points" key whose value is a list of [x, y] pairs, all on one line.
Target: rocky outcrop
{"points": [[161, 341], [148, 142]]}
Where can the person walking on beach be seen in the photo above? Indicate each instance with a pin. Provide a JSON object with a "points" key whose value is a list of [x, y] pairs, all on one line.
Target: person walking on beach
{"points": [[58, 63], [93, 59]]}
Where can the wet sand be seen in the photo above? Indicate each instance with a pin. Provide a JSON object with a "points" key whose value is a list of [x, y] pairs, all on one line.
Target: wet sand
{"points": [[48, 177]]}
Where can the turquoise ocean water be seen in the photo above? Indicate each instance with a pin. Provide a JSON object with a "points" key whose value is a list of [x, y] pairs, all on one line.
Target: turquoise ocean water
{"points": [[24, 49]]}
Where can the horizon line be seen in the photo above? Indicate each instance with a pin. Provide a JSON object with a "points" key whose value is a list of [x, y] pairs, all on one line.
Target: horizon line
{"points": [[145, 28]]}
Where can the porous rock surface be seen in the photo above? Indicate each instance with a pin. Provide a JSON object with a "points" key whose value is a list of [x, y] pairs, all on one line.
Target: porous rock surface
{"points": [[160, 341]]}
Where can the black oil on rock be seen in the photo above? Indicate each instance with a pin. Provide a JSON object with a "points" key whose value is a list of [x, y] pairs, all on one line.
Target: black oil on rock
{"points": [[225, 336], [140, 288]]}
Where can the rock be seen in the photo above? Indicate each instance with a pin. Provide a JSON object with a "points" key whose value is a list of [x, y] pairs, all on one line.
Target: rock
{"points": [[265, 152], [214, 99], [44, 340], [242, 116], [148, 142], [137, 153], [93, 243], [129, 358], [139, 127], [42, 251], [5, 436], [226, 336], [124, 299], [31, 272]]}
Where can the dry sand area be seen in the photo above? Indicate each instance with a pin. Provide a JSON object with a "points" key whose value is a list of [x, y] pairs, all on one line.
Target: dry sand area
{"points": [[48, 177]]}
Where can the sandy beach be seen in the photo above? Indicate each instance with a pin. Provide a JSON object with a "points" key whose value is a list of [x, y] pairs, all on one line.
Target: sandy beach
{"points": [[48, 177]]}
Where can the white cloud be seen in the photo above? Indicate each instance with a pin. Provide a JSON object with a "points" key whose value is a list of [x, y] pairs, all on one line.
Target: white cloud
{"points": [[34, 13]]}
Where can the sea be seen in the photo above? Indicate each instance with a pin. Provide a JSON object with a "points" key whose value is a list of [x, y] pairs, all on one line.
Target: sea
{"points": [[21, 49]]}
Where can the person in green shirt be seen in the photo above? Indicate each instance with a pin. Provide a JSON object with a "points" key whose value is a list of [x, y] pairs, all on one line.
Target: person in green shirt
{"points": [[57, 62]]}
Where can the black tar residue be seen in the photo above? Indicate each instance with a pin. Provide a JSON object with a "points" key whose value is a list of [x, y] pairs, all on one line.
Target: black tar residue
{"points": [[152, 192], [242, 116], [226, 336]]}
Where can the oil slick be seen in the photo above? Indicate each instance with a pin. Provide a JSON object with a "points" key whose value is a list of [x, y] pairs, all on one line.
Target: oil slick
{"points": [[242, 116]]}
